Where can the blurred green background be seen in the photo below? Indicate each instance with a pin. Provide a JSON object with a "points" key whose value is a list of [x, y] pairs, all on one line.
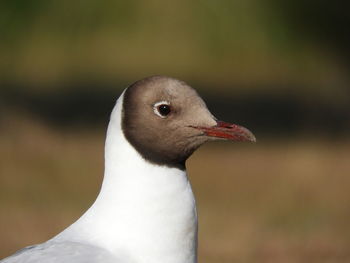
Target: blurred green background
{"points": [[280, 68]]}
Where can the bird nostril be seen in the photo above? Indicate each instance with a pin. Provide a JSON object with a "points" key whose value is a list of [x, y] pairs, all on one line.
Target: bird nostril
{"points": [[223, 124]]}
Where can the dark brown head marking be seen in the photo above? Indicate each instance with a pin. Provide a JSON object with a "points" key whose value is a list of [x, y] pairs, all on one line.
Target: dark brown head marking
{"points": [[158, 118]]}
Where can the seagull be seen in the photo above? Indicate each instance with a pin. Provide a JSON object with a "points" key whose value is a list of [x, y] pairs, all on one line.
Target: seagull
{"points": [[145, 211]]}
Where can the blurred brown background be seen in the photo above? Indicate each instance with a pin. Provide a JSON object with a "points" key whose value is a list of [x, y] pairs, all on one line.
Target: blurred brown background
{"points": [[280, 68]]}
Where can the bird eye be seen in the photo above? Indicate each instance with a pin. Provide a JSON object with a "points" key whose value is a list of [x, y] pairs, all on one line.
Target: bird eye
{"points": [[162, 109]]}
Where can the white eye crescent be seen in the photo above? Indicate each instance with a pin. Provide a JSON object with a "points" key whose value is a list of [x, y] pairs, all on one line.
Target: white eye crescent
{"points": [[162, 109]]}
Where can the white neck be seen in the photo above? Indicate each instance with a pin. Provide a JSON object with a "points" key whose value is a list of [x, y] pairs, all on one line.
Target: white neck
{"points": [[144, 212]]}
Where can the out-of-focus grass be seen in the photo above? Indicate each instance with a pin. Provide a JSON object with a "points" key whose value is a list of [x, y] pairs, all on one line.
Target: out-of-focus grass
{"points": [[269, 202], [216, 43]]}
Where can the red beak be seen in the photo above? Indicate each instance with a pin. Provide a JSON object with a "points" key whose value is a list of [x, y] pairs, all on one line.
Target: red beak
{"points": [[228, 131]]}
